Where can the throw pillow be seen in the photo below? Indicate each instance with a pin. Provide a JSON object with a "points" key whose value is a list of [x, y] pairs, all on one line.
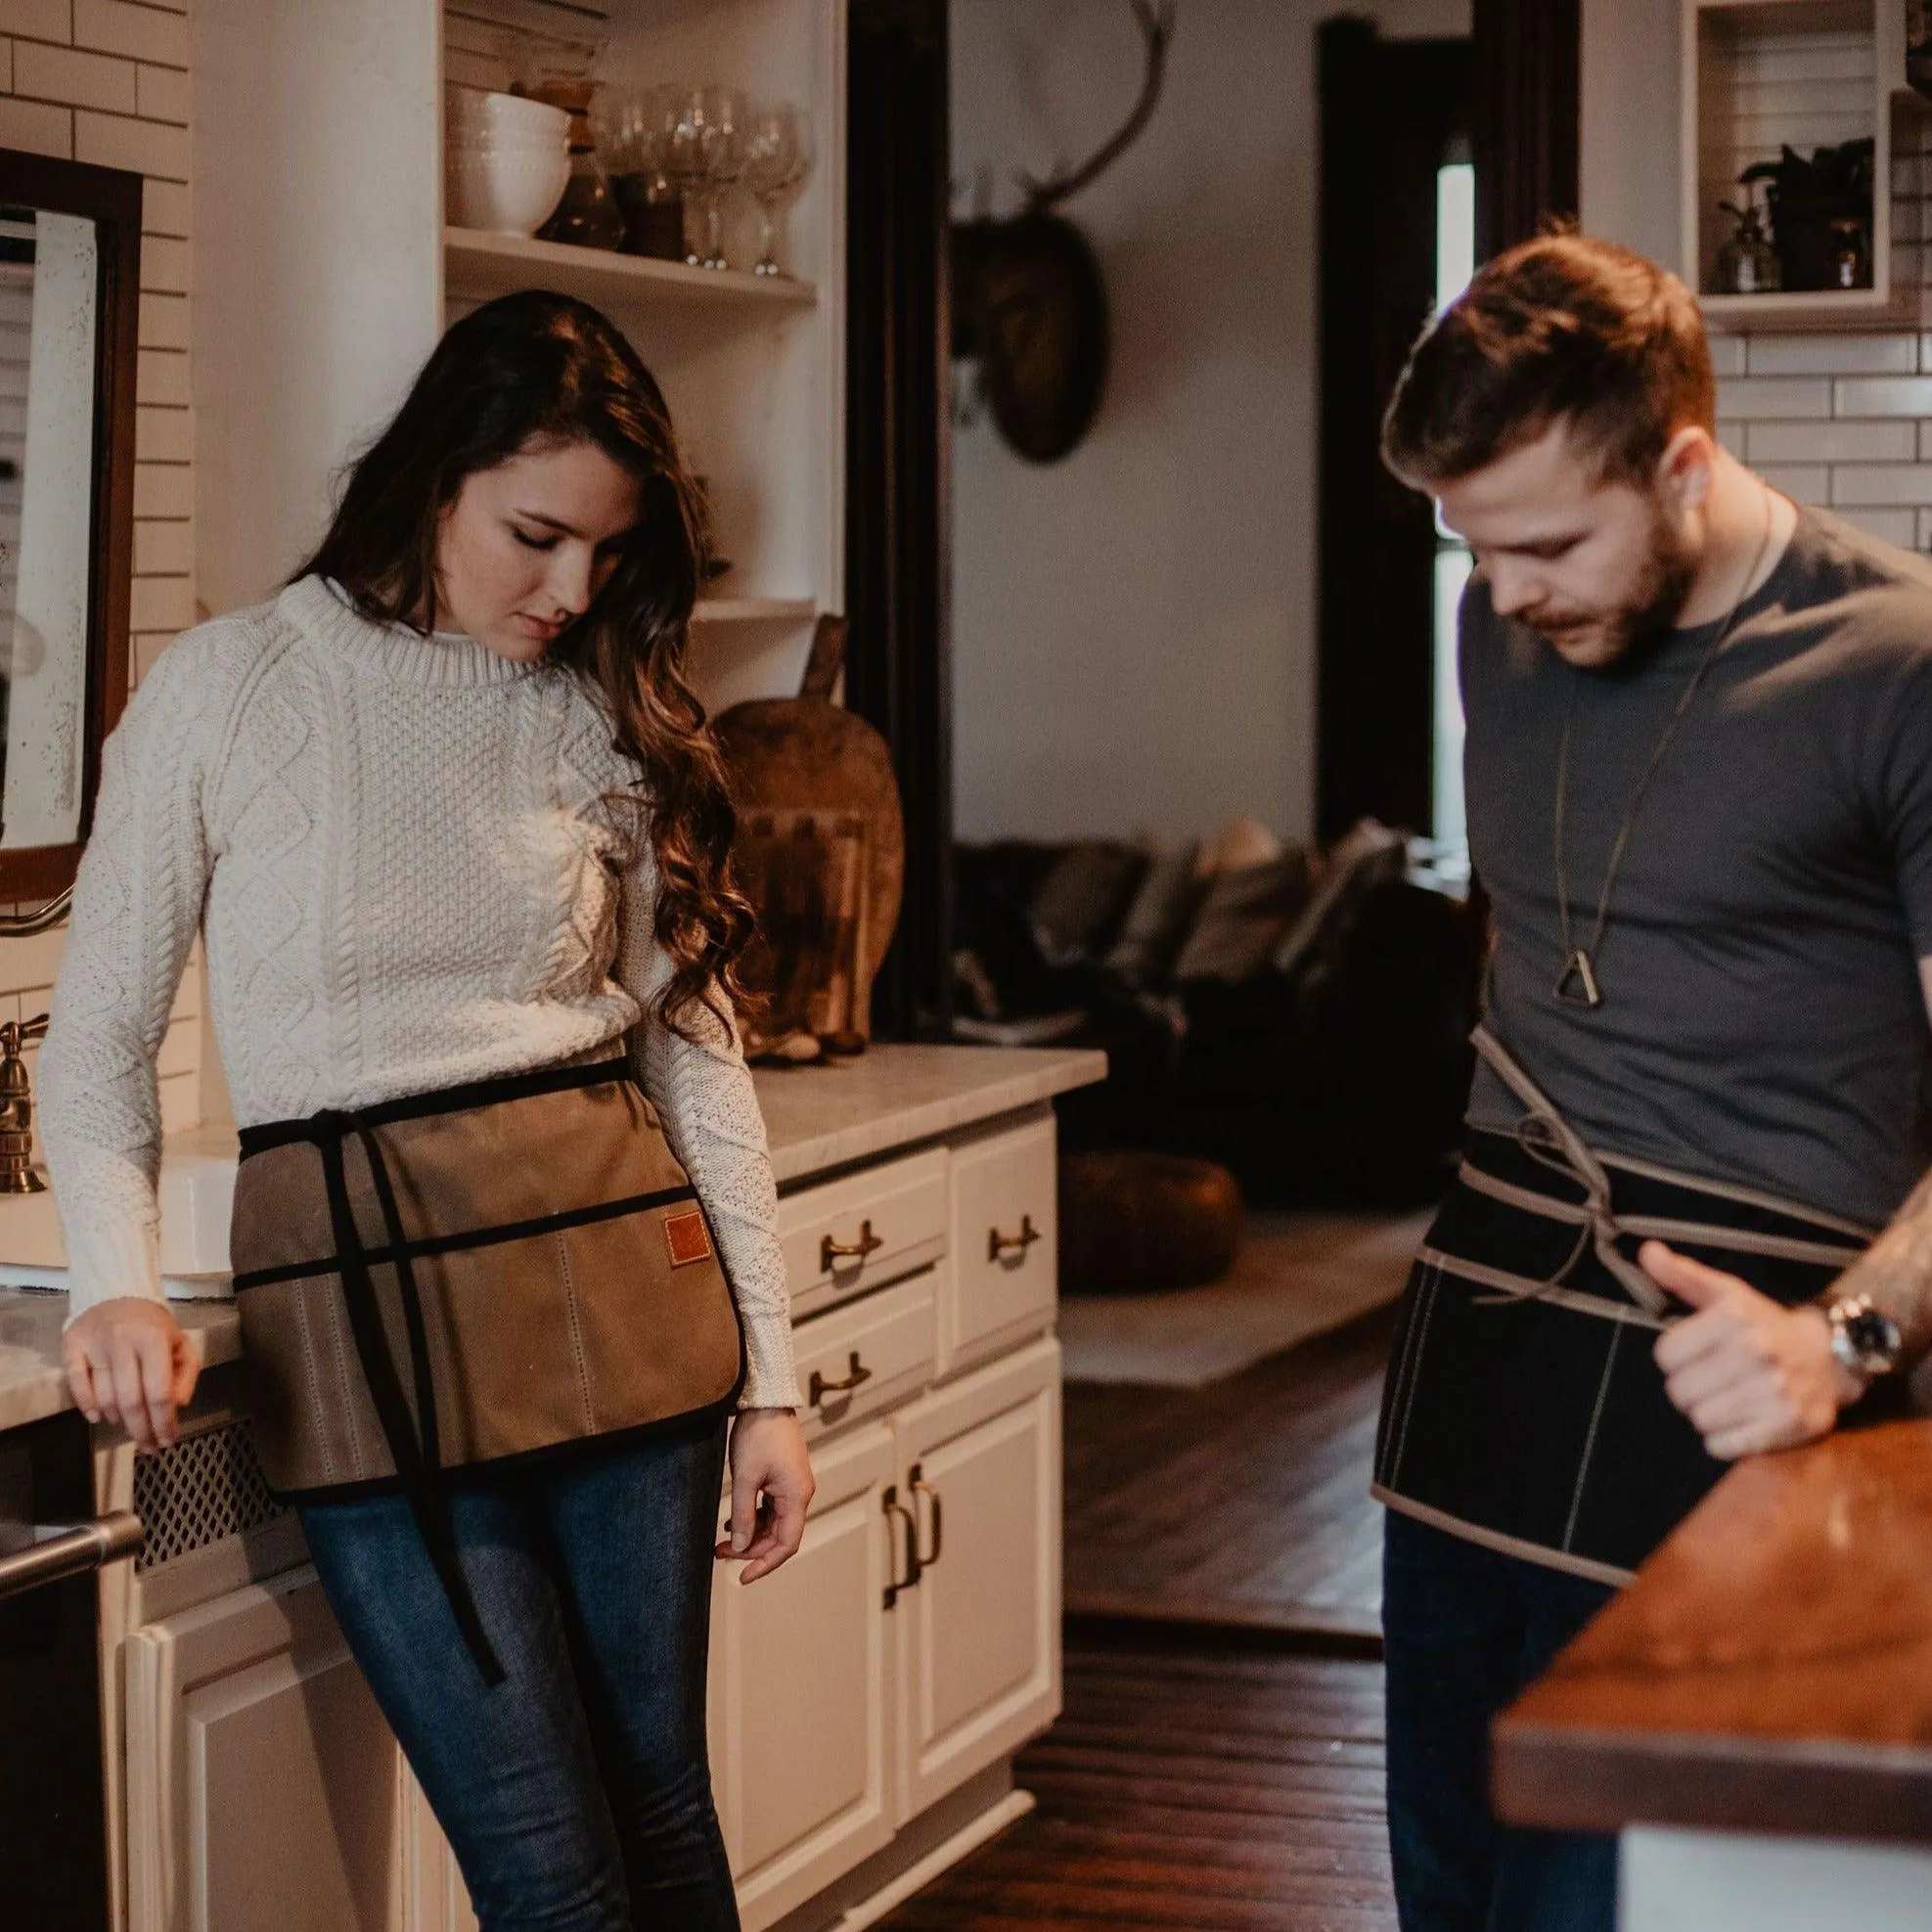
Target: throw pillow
{"points": [[1158, 919], [1365, 855], [1077, 908], [1242, 918]]}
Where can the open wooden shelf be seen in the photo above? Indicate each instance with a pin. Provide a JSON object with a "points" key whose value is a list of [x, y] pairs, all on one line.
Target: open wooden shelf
{"points": [[476, 262], [754, 610]]}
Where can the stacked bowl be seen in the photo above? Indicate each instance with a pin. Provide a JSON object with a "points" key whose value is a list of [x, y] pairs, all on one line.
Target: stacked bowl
{"points": [[507, 161]]}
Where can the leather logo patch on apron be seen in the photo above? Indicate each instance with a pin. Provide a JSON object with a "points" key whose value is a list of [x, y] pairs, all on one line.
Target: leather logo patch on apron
{"points": [[687, 1238]]}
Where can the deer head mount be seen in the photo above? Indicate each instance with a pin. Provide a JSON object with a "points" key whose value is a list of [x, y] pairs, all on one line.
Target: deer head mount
{"points": [[1029, 305]]}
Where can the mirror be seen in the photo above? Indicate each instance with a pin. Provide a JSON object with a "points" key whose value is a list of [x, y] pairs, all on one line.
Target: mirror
{"points": [[69, 273]]}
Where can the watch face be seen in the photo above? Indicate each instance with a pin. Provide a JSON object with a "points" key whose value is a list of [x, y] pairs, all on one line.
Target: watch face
{"points": [[1873, 1337]]}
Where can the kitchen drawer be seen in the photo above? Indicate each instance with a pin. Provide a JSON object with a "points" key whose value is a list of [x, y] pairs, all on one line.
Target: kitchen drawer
{"points": [[1003, 1268], [894, 1215], [886, 1342]]}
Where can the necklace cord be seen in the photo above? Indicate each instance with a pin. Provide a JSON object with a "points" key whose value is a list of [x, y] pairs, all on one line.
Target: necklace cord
{"points": [[1621, 844]]}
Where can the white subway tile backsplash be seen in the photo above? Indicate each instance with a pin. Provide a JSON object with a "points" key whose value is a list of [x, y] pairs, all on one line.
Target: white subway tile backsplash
{"points": [[163, 550], [164, 264], [144, 649], [1753, 398], [144, 147], [164, 436], [81, 79], [40, 20], [37, 127], [163, 604], [6, 66], [1730, 435], [1895, 526], [1833, 355], [1864, 483], [164, 95], [164, 321], [164, 489], [1926, 529], [1883, 395], [1802, 482], [1876, 442], [143, 33], [165, 208], [162, 377], [1728, 355]]}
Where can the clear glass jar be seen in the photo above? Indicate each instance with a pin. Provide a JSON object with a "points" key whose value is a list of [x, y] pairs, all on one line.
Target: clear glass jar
{"points": [[1747, 263], [588, 216]]}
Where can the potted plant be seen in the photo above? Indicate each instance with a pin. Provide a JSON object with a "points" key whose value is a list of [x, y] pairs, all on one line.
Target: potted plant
{"points": [[1806, 197]]}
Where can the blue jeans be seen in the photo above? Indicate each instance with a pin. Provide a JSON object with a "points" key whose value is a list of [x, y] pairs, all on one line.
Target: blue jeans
{"points": [[1465, 1629], [577, 1794]]}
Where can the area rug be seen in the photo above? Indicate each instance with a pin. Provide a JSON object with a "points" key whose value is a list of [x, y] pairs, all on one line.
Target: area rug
{"points": [[1297, 1274]]}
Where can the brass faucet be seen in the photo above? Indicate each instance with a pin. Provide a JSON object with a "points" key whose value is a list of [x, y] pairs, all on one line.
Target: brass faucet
{"points": [[18, 1174]]}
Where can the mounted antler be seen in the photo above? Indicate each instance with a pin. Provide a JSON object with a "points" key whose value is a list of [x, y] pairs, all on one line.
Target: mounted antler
{"points": [[1155, 20]]}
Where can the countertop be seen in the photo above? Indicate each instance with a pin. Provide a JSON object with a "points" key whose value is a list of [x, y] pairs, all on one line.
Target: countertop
{"points": [[1769, 1669], [817, 1117]]}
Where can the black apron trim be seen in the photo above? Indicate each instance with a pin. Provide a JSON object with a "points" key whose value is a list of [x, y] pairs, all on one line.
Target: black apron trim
{"points": [[442, 1099], [427, 1245]]}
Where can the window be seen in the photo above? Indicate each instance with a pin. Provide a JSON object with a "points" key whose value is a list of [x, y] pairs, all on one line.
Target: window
{"points": [[1456, 262]]}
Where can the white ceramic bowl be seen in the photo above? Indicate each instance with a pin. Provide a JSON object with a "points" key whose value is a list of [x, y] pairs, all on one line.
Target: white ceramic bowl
{"points": [[470, 108], [508, 195]]}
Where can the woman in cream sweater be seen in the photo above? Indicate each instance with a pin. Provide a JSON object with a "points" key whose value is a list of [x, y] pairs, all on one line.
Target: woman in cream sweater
{"points": [[446, 810]]}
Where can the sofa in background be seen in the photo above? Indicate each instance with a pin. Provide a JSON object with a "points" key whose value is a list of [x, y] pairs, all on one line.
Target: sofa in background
{"points": [[1300, 1016]]}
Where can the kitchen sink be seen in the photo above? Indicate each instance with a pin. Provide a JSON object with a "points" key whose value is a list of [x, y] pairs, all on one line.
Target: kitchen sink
{"points": [[196, 1197]]}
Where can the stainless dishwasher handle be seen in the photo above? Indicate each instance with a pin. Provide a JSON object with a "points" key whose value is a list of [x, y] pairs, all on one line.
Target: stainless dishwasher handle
{"points": [[72, 1552]]}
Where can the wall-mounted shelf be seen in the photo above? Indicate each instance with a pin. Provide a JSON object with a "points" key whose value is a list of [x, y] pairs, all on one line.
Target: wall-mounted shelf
{"points": [[754, 610], [1759, 75], [479, 263]]}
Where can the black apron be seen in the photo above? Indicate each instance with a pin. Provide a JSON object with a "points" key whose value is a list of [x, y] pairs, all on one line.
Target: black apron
{"points": [[1523, 1408]]}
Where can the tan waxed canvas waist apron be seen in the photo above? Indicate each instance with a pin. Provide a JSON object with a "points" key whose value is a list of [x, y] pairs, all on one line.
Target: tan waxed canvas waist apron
{"points": [[458, 1280]]}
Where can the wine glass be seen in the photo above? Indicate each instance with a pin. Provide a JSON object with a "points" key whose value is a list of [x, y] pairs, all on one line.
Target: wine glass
{"points": [[776, 148], [706, 156], [638, 142]]}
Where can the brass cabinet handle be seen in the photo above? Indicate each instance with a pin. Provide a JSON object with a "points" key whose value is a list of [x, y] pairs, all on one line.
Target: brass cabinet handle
{"points": [[909, 1581], [73, 1552], [831, 1251], [857, 1375], [999, 1245], [917, 1484]]}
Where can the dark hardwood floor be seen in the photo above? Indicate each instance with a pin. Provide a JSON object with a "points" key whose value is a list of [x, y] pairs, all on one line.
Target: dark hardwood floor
{"points": [[1188, 1787], [1245, 1503], [1213, 1770]]}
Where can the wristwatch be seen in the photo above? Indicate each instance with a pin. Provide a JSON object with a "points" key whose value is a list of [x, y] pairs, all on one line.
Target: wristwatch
{"points": [[1864, 1339]]}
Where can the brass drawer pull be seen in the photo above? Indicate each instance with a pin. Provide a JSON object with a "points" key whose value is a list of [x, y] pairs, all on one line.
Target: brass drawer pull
{"points": [[921, 1487], [855, 1376], [831, 1251], [999, 1245], [909, 1581]]}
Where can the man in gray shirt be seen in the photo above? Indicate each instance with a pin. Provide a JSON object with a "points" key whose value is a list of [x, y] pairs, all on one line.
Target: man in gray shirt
{"points": [[1699, 781]]}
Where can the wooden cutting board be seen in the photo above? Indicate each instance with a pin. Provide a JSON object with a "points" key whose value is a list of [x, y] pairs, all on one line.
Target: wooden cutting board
{"points": [[808, 753]]}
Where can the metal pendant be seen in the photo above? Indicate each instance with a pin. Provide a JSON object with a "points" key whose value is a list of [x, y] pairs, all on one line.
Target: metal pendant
{"points": [[1578, 986]]}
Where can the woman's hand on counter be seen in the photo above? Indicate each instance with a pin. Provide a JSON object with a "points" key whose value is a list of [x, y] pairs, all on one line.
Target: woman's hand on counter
{"points": [[769, 1461], [129, 1364]]}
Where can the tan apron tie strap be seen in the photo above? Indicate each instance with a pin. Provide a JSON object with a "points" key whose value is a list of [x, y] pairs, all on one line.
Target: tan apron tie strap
{"points": [[1570, 1155]]}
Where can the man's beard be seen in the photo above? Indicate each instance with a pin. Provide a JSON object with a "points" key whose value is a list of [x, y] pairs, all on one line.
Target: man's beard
{"points": [[1645, 615]]}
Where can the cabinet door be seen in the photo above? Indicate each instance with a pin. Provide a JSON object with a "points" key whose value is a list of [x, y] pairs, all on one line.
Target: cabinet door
{"points": [[979, 1634], [1002, 1273], [263, 1787], [802, 1677]]}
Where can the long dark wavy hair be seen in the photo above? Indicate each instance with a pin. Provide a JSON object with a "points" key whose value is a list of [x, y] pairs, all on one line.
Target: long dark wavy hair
{"points": [[528, 371]]}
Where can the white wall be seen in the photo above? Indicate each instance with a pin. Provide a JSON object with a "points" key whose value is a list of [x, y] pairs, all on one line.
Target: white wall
{"points": [[1133, 628]]}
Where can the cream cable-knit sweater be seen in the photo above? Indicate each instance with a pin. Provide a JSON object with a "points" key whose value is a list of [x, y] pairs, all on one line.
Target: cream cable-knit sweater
{"points": [[398, 850]]}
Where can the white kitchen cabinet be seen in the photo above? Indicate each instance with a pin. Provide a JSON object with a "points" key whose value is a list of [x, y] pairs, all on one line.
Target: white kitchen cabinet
{"points": [[264, 1787], [801, 1687], [978, 1634], [1003, 1243]]}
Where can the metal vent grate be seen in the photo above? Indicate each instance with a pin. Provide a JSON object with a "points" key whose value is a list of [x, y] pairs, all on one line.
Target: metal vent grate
{"points": [[204, 1489]]}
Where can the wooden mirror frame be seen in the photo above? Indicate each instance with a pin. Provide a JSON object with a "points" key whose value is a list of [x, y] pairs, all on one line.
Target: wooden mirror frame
{"points": [[111, 198]]}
